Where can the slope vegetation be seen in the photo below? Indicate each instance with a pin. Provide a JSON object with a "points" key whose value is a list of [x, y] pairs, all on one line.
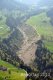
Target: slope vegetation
{"points": [[42, 24], [10, 72]]}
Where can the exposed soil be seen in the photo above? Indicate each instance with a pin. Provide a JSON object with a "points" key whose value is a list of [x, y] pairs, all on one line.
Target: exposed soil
{"points": [[29, 54], [29, 47]]}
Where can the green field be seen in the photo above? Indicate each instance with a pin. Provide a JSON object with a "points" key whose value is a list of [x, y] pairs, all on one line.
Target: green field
{"points": [[49, 45], [42, 25], [4, 29], [16, 74]]}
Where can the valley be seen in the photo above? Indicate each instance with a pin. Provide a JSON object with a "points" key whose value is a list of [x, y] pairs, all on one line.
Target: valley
{"points": [[26, 41], [17, 44]]}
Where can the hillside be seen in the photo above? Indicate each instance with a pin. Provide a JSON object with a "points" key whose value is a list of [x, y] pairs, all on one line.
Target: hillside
{"points": [[42, 24], [10, 72]]}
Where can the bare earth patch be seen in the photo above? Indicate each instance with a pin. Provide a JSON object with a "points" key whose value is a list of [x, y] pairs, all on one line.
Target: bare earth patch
{"points": [[28, 49]]}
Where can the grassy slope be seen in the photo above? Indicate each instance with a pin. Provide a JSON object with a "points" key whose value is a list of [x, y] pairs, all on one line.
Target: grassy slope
{"points": [[4, 29], [16, 74], [42, 24]]}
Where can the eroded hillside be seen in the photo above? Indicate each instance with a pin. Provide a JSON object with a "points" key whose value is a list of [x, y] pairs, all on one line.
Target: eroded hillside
{"points": [[29, 46]]}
